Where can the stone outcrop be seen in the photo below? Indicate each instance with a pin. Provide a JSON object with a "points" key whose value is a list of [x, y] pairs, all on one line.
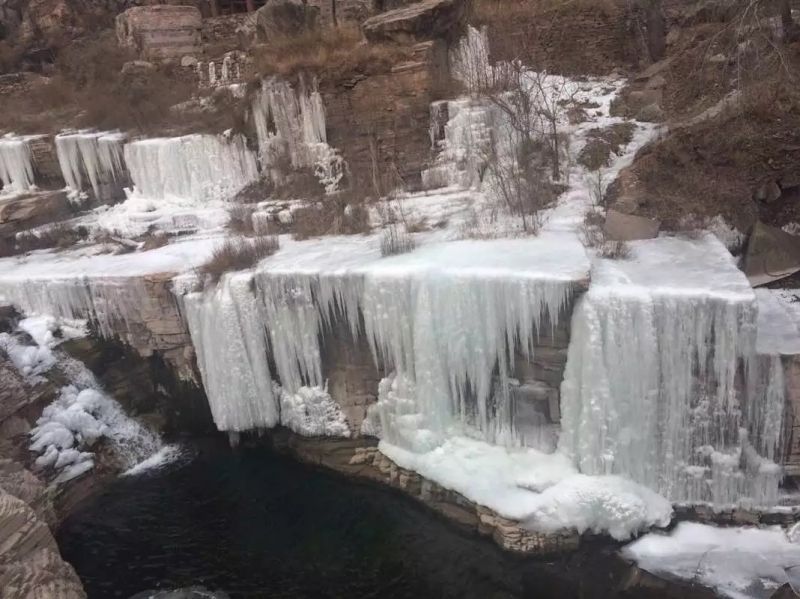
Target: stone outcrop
{"points": [[429, 19], [18, 213], [285, 18], [628, 227], [772, 254], [379, 122], [158, 32], [360, 459], [30, 564]]}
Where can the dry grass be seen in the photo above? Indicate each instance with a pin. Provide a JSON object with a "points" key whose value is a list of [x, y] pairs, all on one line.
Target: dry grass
{"points": [[255, 192], [614, 250], [61, 235], [331, 53], [241, 219], [489, 11], [395, 241], [89, 89], [330, 217], [238, 254]]}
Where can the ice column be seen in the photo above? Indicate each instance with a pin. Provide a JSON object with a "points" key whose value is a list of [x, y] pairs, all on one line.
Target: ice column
{"points": [[652, 388], [198, 168], [290, 125], [451, 341], [16, 163], [228, 331], [96, 156]]}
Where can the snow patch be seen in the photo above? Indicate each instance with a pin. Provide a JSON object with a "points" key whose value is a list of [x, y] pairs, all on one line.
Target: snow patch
{"points": [[735, 562]]}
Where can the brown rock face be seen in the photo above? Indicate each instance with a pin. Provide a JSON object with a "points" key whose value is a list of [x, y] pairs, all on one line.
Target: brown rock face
{"points": [[30, 565], [285, 18], [163, 31], [425, 20], [48, 22]]}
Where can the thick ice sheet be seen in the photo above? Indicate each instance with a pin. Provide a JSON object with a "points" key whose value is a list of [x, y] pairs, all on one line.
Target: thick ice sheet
{"points": [[650, 387], [545, 491], [735, 562], [778, 319]]}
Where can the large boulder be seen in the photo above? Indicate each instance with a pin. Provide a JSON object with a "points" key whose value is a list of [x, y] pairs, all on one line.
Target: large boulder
{"points": [[629, 227], [425, 20], [285, 18], [162, 31], [772, 254]]}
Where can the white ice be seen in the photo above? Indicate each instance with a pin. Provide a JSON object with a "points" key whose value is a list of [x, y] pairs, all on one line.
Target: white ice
{"points": [[650, 391], [290, 125], [545, 491], [90, 157], [16, 163], [312, 413], [735, 562]]}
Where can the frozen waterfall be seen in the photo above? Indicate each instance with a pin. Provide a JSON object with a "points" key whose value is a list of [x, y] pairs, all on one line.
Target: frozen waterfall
{"points": [[446, 320], [290, 125], [199, 168], [229, 334], [652, 390], [16, 163], [90, 157]]}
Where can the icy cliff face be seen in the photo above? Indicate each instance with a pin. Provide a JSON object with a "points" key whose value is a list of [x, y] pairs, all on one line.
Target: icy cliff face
{"points": [[229, 334], [445, 320], [290, 125], [16, 164], [90, 157], [199, 168], [650, 389]]}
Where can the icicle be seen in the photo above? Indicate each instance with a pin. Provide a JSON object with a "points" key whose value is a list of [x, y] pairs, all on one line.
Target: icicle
{"points": [[291, 124], [16, 163], [198, 168], [98, 156], [650, 388], [228, 332]]}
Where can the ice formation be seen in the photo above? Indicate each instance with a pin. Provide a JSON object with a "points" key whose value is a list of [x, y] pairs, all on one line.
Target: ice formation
{"points": [[16, 163], [311, 412], [742, 563], [199, 168], [71, 426], [90, 157], [229, 334], [290, 125], [650, 388], [446, 318], [82, 414], [542, 490]]}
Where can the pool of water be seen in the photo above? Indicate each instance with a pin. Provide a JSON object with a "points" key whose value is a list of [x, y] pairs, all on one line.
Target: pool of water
{"points": [[251, 523]]}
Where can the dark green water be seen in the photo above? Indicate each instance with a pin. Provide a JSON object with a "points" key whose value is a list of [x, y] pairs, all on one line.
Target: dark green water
{"points": [[255, 524]]}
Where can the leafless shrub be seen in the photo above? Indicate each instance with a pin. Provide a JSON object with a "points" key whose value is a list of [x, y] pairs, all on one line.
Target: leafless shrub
{"points": [[332, 52], [614, 250], [597, 187], [417, 225], [254, 192], [593, 235], [238, 254], [395, 240], [241, 219], [591, 231], [330, 217]]}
